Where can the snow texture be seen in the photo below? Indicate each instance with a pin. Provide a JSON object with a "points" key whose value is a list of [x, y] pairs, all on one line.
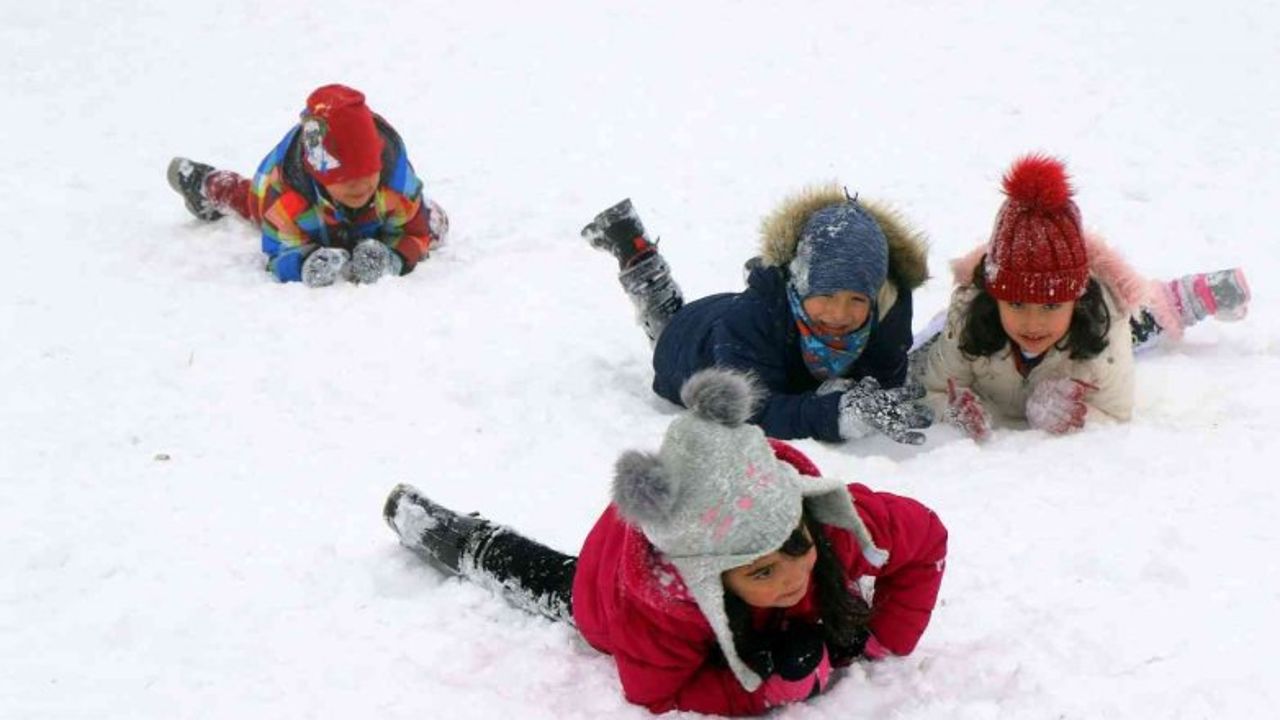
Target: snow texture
{"points": [[194, 457]]}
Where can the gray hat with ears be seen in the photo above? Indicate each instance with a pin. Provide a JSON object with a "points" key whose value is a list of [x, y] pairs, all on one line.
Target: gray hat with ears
{"points": [[714, 497]]}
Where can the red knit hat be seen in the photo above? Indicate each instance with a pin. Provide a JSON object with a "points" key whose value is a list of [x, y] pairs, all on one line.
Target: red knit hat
{"points": [[339, 139], [1037, 252]]}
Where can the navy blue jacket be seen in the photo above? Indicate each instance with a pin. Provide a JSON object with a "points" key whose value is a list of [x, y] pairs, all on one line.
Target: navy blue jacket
{"points": [[754, 330]]}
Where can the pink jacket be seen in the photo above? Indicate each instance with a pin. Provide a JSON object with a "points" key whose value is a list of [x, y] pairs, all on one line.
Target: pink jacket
{"points": [[631, 604]]}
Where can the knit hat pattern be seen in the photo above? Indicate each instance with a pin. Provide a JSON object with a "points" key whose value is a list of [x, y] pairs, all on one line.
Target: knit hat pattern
{"points": [[841, 248], [1037, 251], [714, 497], [339, 138]]}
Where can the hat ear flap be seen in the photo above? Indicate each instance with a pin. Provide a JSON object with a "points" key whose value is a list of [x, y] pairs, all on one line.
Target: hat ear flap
{"points": [[643, 490], [836, 508]]}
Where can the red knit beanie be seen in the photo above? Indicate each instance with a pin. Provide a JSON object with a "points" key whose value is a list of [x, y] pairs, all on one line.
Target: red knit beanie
{"points": [[339, 139], [1037, 252]]}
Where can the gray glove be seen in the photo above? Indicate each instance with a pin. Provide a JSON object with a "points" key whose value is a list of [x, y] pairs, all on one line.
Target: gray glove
{"points": [[324, 266], [866, 407], [371, 259]]}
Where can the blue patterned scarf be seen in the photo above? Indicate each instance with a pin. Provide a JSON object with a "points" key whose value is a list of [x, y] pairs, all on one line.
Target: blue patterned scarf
{"points": [[828, 356]]}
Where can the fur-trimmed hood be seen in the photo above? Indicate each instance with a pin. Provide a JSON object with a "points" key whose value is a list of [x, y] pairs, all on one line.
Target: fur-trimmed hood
{"points": [[780, 233]]}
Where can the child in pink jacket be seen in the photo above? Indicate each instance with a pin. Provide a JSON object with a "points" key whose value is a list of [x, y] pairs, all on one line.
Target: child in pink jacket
{"points": [[723, 577]]}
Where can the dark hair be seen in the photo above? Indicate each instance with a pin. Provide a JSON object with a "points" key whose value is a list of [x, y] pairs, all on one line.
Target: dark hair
{"points": [[844, 614], [982, 333]]}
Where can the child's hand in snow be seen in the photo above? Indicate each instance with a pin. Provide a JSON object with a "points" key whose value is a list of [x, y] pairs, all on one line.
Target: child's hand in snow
{"points": [[965, 411], [866, 407], [1057, 405], [873, 650], [801, 666]]}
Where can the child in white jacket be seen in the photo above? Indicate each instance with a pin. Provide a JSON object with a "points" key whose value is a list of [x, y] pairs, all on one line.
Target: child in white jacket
{"points": [[1044, 319]]}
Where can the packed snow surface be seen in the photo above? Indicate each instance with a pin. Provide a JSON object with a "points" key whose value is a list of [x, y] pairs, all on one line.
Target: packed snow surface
{"points": [[194, 457]]}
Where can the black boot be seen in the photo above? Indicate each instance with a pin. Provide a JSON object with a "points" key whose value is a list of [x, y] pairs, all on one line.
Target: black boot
{"points": [[435, 532], [618, 231], [186, 177], [653, 292]]}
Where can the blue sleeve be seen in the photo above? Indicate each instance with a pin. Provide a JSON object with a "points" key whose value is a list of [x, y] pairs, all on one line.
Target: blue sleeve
{"points": [[741, 342], [284, 261]]}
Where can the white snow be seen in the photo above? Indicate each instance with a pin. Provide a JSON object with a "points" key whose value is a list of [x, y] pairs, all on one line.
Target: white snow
{"points": [[194, 458]]}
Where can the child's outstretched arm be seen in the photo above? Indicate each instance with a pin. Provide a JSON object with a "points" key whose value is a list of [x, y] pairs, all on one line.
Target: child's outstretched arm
{"points": [[906, 588], [405, 229], [782, 414], [692, 678], [284, 240], [1112, 374], [945, 366]]}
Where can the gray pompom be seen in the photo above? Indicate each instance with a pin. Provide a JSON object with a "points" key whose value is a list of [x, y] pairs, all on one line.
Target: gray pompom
{"points": [[724, 396], [643, 490]]}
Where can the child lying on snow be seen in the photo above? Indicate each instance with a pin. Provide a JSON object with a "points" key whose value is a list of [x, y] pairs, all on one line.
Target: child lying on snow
{"points": [[722, 579], [828, 298], [1045, 317], [337, 198]]}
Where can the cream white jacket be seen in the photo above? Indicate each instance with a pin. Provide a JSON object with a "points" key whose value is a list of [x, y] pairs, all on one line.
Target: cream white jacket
{"points": [[1004, 391], [995, 378]]}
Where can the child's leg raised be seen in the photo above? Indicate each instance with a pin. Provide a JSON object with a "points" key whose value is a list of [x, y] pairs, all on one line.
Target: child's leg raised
{"points": [[643, 273], [209, 192], [1180, 303], [529, 575]]}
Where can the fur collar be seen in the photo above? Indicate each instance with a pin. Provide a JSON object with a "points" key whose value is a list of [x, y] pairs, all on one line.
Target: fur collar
{"points": [[780, 233]]}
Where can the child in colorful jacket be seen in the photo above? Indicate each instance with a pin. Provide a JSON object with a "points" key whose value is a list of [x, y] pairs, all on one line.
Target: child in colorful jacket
{"points": [[1044, 319], [824, 323], [336, 198], [723, 578]]}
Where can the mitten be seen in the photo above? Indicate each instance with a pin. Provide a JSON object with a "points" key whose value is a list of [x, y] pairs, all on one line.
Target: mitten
{"points": [[801, 666], [1057, 405], [965, 411], [866, 407], [873, 650], [371, 259], [324, 266]]}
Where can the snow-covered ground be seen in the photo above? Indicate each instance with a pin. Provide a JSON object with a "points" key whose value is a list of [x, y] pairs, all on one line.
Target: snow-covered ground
{"points": [[193, 458]]}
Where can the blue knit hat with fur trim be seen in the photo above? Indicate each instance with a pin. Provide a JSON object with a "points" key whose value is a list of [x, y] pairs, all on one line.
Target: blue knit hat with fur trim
{"points": [[841, 248]]}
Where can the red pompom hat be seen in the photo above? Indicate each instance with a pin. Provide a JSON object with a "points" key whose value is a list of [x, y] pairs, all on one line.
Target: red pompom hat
{"points": [[339, 140], [1037, 252]]}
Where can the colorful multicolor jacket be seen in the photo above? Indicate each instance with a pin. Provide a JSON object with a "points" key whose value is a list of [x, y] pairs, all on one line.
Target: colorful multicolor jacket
{"points": [[297, 216], [667, 657]]}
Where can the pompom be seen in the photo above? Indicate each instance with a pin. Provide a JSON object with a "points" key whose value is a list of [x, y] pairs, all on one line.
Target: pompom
{"points": [[1039, 182], [720, 395], [643, 490]]}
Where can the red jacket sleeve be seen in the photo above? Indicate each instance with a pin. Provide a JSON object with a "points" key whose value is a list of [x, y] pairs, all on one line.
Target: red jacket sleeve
{"points": [[674, 667], [906, 588], [406, 229]]}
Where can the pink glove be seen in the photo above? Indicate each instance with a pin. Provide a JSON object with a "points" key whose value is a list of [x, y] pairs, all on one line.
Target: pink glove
{"points": [[1057, 405], [800, 665], [873, 650], [965, 411]]}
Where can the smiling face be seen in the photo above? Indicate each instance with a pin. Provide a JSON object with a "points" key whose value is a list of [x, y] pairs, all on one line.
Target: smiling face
{"points": [[840, 313], [354, 193], [1033, 327], [779, 579]]}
